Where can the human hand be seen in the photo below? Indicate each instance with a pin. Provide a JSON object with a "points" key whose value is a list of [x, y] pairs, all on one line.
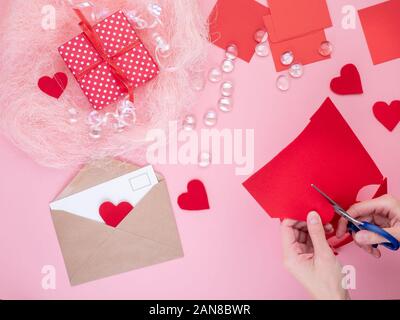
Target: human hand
{"points": [[309, 258], [383, 211]]}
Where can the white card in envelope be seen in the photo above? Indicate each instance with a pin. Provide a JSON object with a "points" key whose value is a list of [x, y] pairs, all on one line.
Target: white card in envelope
{"points": [[131, 187]]}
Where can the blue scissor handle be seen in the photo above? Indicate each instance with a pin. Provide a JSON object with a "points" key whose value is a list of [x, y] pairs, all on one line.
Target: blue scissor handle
{"points": [[392, 244]]}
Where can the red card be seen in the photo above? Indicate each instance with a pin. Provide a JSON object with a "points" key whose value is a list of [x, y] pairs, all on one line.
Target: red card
{"points": [[328, 154], [304, 48], [297, 18], [236, 22], [381, 24]]}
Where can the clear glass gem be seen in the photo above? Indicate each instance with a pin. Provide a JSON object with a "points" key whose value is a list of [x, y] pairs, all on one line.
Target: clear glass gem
{"points": [[154, 9], [125, 106], [215, 75], [189, 122], [261, 36], [283, 83], [296, 70], [225, 104], [128, 118], [262, 49], [102, 14], [95, 132], [325, 49], [227, 88], [228, 66], [119, 126], [94, 118], [287, 58], [204, 159], [210, 118], [231, 52]]}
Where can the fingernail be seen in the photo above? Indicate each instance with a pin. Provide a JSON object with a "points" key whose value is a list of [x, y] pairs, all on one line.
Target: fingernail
{"points": [[361, 237], [313, 217]]}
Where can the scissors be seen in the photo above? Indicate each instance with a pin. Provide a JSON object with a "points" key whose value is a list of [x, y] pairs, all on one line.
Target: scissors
{"points": [[355, 225]]}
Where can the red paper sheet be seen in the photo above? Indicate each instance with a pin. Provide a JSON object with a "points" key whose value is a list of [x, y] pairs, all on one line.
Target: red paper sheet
{"points": [[328, 154], [381, 25], [236, 22], [292, 19]]}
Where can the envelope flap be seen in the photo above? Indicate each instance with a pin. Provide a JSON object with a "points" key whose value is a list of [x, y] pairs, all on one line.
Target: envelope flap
{"points": [[78, 238], [123, 252], [153, 218], [98, 172]]}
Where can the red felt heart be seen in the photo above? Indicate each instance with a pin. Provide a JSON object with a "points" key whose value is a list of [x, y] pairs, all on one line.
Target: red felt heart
{"points": [[195, 198], [388, 115], [113, 215], [349, 81], [55, 86]]}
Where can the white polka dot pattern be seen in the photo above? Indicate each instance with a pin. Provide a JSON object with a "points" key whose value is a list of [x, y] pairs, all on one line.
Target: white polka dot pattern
{"points": [[99, 83]]}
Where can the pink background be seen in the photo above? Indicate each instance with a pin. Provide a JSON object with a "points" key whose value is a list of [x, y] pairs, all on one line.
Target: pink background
{"points": [[232, 251]]}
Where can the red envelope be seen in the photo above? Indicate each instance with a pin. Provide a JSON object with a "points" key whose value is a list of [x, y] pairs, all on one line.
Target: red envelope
{"points": [[292, 19], [328, 154], [305, 49], [381, 25], [236, 22]]}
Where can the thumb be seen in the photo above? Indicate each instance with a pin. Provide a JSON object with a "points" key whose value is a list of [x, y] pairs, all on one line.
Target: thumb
{"points": [[317, 234], [366, 237]]}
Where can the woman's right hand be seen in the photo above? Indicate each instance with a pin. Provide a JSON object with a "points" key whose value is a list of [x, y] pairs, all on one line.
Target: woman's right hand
{"points": [[383, 212]]}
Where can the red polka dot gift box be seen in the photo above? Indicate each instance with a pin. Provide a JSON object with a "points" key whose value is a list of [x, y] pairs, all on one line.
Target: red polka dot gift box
{"points": [[108, 59]]}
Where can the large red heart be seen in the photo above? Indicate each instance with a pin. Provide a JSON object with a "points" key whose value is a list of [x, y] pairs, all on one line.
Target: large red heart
{"points": [[388, 115], [113, 215], [55, 86], [195, 198], [349, 81]]}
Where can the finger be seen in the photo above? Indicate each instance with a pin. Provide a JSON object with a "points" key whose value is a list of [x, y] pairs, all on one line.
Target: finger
{"points": [[382, 205], [288, 237], [328, 228], [317, 234], [302, 238], [341, 228], [375, 252], [368, 238]]}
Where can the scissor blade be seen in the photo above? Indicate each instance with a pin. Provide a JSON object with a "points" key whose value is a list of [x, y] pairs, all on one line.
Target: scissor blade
{"points": [[338, 209], [325, 195]]}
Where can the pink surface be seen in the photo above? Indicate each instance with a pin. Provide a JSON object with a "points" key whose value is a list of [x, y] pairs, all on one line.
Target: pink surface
{"points": [[233, 250]]}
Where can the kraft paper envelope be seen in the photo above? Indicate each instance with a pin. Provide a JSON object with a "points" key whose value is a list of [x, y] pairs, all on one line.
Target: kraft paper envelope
{"points": [[93, 250]]}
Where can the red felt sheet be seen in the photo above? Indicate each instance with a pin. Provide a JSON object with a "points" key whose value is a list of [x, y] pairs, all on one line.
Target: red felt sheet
{"points": [[328, 154]]}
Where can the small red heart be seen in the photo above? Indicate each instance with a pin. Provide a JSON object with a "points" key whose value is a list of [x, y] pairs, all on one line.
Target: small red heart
{"points": [[55, 86], [195, 198], [349, 81], [113, 215], [388, 115]]}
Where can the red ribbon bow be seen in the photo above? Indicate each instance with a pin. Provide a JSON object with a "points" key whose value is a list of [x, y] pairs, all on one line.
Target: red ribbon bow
{"points": [[94, 38]]}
